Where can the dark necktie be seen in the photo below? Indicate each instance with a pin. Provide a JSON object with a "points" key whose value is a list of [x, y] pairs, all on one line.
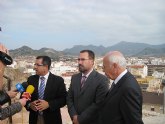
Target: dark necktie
{"points": [[41, 88], [83, 79], [112, 86]]}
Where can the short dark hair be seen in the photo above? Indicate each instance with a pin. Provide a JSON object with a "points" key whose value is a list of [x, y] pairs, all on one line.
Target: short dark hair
{"points": [[45, 60], [90, 53]]}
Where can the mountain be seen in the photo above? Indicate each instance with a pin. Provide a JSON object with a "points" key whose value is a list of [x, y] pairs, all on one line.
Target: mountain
{"points": [[152, 52], [27, 51], [127, 48], [99, 50]]}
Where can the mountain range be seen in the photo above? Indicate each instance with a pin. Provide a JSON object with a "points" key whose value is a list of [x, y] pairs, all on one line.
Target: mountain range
{"points": [[127, 48]]}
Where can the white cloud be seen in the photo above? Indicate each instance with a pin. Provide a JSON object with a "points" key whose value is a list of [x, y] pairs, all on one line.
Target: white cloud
{"points": [[105, 20]]}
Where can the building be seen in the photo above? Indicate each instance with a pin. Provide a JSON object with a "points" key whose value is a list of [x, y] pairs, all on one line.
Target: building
{"points": [[138, 70], [153, 68]]}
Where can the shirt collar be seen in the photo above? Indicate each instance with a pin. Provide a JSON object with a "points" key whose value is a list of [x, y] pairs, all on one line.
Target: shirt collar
{"points": [[88, 73], [46, 76], [120, 76]]}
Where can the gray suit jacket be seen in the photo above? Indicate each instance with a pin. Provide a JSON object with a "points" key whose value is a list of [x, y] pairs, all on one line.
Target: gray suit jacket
{"points": [[86, 102], [10, 110]]}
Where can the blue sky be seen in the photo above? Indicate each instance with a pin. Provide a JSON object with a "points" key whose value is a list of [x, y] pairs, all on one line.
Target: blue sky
{"points": [[61, 24]]}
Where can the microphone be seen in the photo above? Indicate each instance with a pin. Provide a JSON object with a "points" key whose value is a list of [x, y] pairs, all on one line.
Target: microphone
{"points": [[21, 87], [6, 59], [29, 91]]}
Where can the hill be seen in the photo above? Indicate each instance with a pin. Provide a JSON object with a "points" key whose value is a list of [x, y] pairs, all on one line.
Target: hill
{"points": [[27, 51], [127, 48], [99, 50]]}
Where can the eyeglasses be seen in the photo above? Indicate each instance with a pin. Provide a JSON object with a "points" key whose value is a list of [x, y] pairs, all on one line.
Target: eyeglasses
{"points": [[82, 59], [38, 64]]}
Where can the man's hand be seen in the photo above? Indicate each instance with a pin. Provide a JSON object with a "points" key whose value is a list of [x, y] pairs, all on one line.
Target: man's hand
{"points": [[12, 94], [23, 101], [42, 105], [3, 49], [33, 105], [26, 95], [75, 119]]}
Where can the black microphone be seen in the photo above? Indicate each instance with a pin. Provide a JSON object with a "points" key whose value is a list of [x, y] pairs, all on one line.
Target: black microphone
{"points": [[6, 59]]}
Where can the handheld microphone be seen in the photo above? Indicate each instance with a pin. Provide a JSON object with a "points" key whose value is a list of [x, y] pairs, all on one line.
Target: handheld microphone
{"points": [[29, 91], [21, 87]]}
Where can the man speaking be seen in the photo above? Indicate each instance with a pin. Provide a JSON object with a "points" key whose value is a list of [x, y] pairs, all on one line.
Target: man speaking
{"points": [[49, 94]]}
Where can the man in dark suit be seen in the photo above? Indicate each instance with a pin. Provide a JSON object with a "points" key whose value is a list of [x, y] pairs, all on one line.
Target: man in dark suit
{"points": [[123, 103], [49, 94], [87, 91]]}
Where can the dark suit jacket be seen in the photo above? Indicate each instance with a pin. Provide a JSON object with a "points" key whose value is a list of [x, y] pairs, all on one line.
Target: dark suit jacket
{"points": [[85, 102], [54, 94], [123, 104]]}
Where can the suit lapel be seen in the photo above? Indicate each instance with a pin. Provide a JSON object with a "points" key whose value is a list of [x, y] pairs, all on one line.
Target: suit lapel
{"points": [[78, 84], [35, 84], [116, 87], [112, 92], [48, 84]]}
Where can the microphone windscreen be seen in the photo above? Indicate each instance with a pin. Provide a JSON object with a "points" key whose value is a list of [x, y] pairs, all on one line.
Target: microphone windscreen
{"points": [[30, 89], [19, 88]]}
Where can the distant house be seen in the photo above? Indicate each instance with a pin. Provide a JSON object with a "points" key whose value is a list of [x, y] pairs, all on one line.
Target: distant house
{"points": [[138, 70]]}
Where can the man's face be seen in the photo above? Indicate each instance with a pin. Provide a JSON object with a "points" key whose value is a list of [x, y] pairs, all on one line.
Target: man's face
{"points": [[39, 67], [108, 68], [85, 64]]}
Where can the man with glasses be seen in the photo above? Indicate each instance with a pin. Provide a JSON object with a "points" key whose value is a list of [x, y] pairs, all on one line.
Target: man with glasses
{"points": [[49, 94], [87, 91]]}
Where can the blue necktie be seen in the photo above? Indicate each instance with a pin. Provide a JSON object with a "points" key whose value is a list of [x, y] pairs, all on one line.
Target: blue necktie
{"points": [[41, 88]]}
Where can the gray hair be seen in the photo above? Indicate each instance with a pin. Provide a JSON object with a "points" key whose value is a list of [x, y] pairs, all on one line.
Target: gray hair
{"points": [[119, 59]]}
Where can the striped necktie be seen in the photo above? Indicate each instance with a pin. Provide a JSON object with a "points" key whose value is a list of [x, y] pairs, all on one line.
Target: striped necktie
{"points": [[41, 88], [83, 79]]}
